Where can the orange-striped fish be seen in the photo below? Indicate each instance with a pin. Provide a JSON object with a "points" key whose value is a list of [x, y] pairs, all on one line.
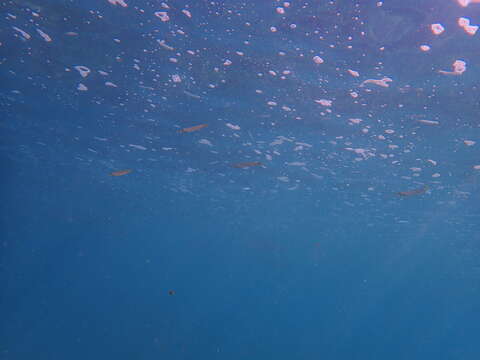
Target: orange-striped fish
{"points": [[193, 128], [121, 172], [244, 165]]}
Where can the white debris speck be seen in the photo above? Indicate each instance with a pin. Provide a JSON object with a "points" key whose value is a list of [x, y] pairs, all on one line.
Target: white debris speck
{"points": [[233, 127], [355, 121], [82, 87], [469, 142], [465, 24], [324, 102], [353, 73], [138, 147], [164, 45], [118, 2], [44, 35], [458, 66], [379, 82], [162, 15], [428, 122], [318, 60], [437, 29], [83, 70], [23, 33], [205, 142]]}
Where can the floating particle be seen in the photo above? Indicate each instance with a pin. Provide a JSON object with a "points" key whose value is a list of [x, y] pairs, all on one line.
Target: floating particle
{"points": [[227, 63], [121, 172], [424, 47], [45, 36], [280, 10], [233, 127], [83, 70], [324, 102], [428, 122], [118, 2], [138, 147], [165, 46], [109, 83], [193, 128], [188, 93], [176, 78], [379, 82], [187, 13], [205, 142], [162, 15], [244, 165], [458, 66], [413, 192], [355, 121], [465, 3], [171, 292], [465, 24], [82, 87], [469, 142], [353, 73], [25, 35], [318, 60], [476, 167], [437, 29]]}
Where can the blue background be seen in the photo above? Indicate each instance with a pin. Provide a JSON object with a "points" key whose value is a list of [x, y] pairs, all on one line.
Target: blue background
{"points": [[189, 257]]}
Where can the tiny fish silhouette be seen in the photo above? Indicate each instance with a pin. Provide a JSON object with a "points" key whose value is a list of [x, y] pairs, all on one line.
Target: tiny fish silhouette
{"points": [[413, 192], [121, 172], [244, 165], [192, 128]]}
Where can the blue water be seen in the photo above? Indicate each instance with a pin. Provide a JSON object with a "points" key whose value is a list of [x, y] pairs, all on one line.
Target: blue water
{"points": [[281, 230]]}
